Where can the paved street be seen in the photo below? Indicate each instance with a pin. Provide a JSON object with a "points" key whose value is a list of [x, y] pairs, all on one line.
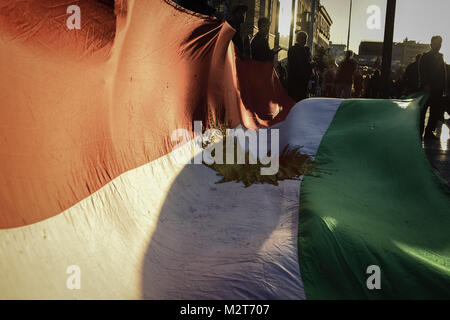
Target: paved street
{"points": [[438, 153]]}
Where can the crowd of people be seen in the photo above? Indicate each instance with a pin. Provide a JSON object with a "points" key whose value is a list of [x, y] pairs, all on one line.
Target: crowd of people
{"points": [[348, 80], [304, 77], [428, 73]]}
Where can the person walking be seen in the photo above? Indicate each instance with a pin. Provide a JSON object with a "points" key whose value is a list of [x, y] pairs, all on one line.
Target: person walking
{"points": [[432, 80], [344, 76], [366, 84], [328, 88], [359, 82], [375, 84], [299, 68]]}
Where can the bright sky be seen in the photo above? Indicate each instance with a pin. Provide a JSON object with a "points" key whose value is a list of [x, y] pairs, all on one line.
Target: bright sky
{"points": [[416, 19]]}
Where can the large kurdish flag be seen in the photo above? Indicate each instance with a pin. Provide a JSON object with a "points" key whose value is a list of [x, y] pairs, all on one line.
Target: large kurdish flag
{"points": [[380, 204], [89, 177]]}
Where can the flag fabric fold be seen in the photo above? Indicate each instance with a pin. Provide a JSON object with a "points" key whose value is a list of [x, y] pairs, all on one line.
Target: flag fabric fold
{"points": [[81, 107]]}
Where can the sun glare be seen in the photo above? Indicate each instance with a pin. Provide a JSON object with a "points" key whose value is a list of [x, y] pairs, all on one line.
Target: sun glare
{"points": [[445, 134], [284, 25]]}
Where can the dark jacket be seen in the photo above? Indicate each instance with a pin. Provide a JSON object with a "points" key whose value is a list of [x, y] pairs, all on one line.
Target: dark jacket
{"points": [[237, 38], [448, 79], [432, 72], [346, 71], [374, 85], [299, 71], [260, 49], [299, 64], [411, 77]]}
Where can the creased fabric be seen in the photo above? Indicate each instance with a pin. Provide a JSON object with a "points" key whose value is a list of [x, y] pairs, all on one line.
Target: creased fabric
{"points": [[80, 107]]}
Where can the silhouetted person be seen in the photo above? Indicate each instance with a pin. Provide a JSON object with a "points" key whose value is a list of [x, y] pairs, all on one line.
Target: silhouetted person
{"points": [[366, 84], [299, 68], [411, 76], [236, 19], [260, 49], [314, 83], [398, 88], [344, 76], [432, 80], [359, 83], [375, 84]]}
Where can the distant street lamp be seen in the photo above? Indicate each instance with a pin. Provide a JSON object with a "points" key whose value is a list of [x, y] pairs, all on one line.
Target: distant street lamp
{"points": [[349, 25]]}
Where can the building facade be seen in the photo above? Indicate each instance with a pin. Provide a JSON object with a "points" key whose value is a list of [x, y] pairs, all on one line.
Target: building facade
{"points": [[322, 32], [322, 22], [287, 17], [408, 50], [403, 53]]}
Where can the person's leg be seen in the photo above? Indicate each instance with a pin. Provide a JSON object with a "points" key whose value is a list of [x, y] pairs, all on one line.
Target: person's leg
{"points": [[330, 91], [423, 113], [297, 93], [338, 90], [303, 92], [347, 94], [436, 113], [291, 90]]}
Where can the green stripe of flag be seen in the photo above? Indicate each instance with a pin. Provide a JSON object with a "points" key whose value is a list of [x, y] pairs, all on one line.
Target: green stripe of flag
{"points": [[380, 203]]}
